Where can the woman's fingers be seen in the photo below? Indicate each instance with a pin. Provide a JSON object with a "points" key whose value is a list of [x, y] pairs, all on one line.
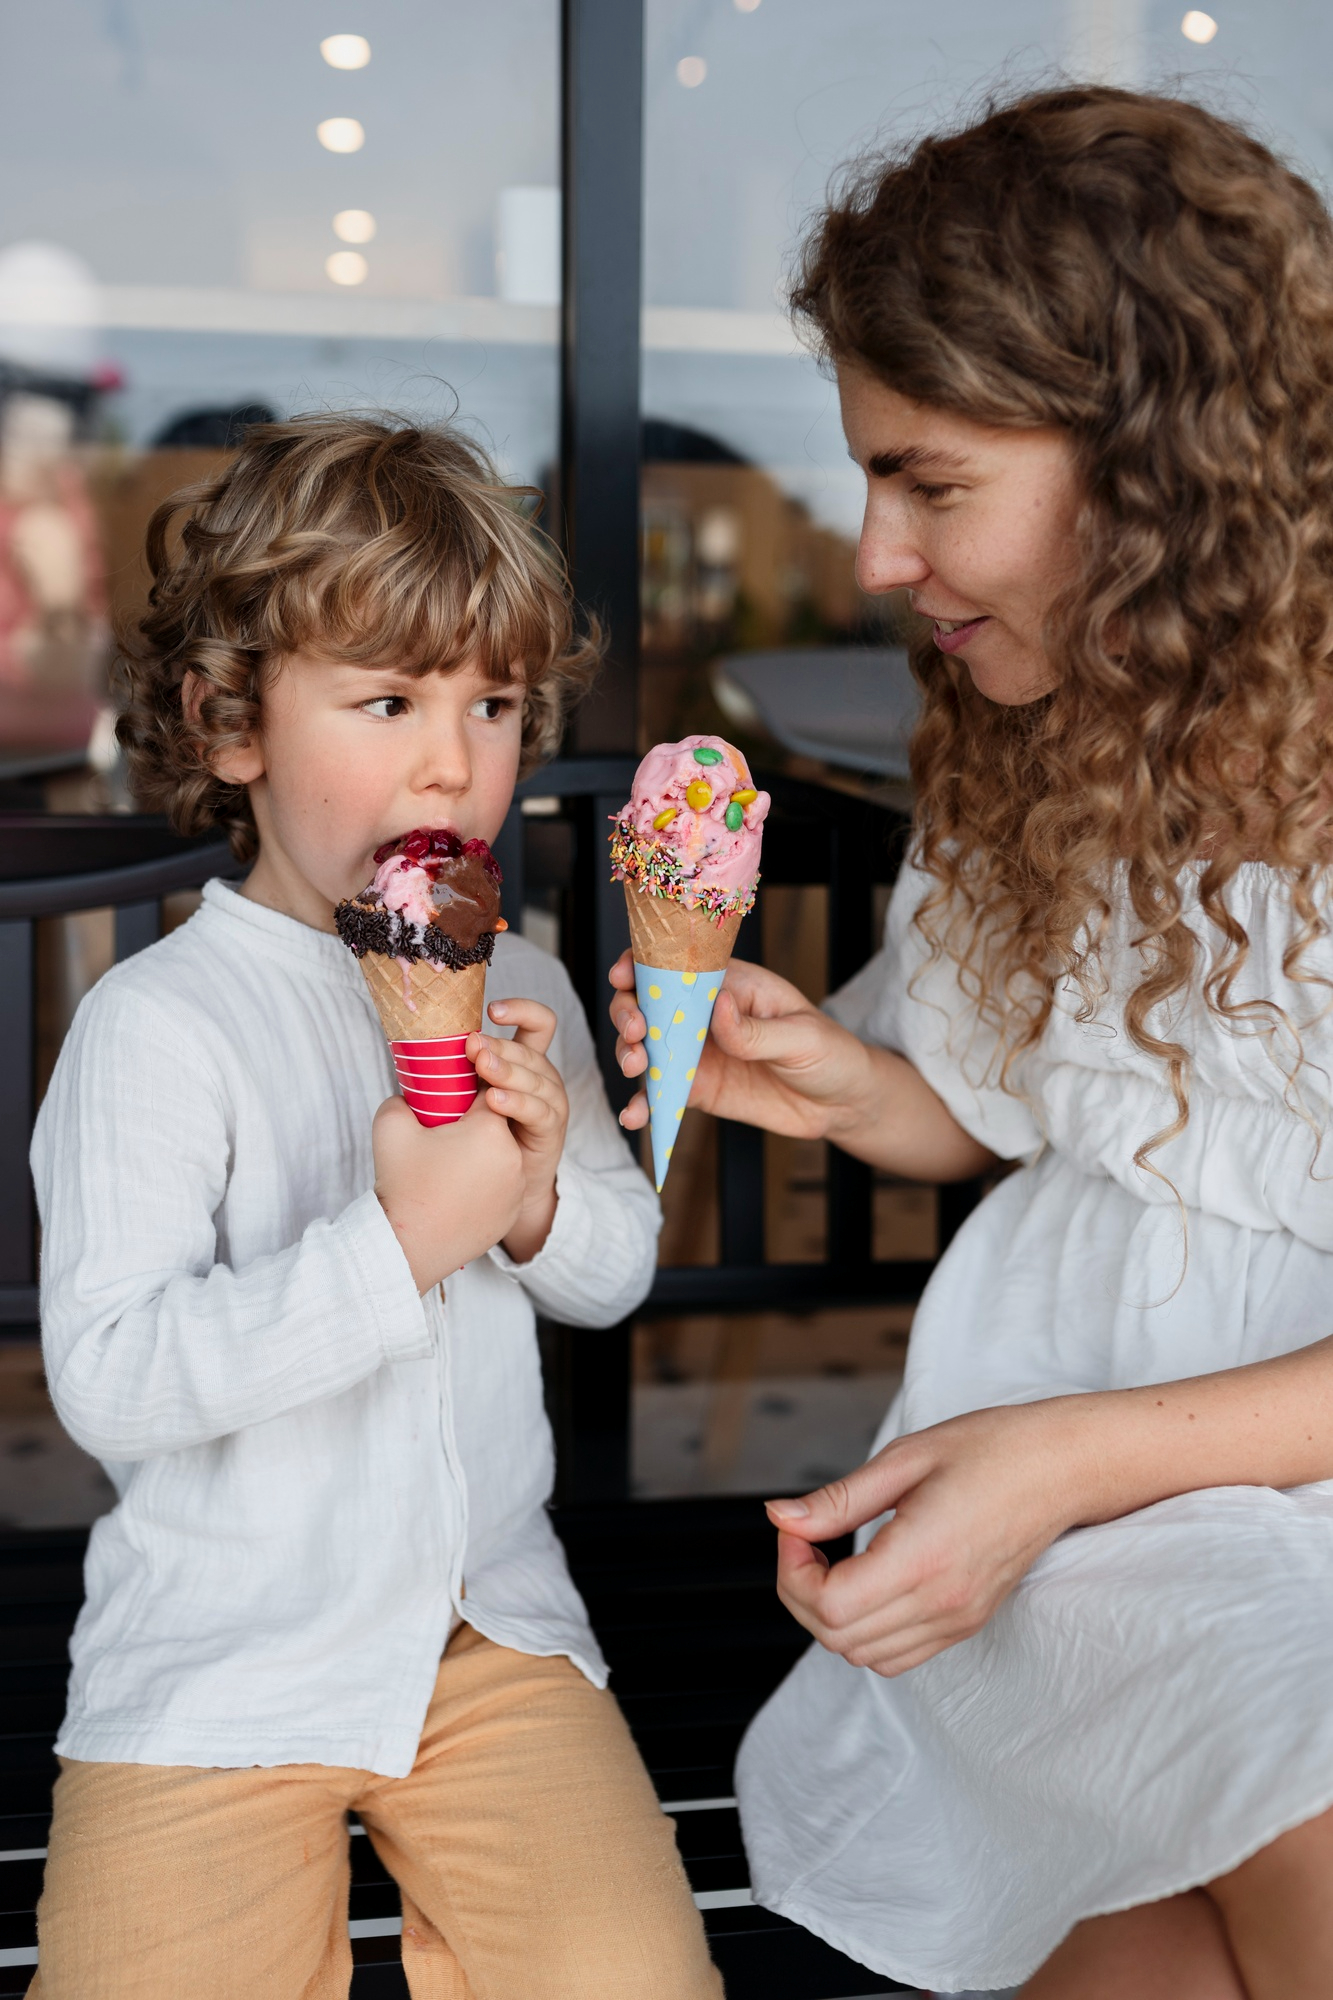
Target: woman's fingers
{"points": [[621, 974], [847, 1504], [635, 1115], [789, 1040]]}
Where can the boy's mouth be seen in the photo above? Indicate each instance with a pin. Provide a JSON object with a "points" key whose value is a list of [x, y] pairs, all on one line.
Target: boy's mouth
{"points": [[420, 843]]}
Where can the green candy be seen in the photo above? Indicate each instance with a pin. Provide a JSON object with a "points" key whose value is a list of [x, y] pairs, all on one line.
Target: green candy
{"points": [[735, 818], [703, 755]]}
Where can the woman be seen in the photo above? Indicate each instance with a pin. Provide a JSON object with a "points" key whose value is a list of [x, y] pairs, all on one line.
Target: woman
{"points": [[1069, 1718]]}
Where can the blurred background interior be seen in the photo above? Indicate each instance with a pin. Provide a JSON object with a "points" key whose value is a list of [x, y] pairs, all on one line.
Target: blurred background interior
{"points": [[210, 215]]}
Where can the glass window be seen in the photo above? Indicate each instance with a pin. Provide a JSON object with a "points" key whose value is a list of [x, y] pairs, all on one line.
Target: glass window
{"points": [[209, 215]]}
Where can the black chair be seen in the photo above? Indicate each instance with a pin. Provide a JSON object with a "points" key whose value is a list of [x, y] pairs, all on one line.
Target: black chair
{"points": [[680, 1591]]}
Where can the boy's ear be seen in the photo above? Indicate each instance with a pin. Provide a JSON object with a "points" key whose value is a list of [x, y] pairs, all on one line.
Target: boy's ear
{"points": [[234, 763]]}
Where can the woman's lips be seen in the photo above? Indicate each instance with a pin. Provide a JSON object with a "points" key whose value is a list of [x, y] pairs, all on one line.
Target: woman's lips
{"points": [[954, 641]]}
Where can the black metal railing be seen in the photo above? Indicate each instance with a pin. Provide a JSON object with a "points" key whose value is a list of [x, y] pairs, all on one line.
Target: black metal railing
{"points": [[553, 849]]}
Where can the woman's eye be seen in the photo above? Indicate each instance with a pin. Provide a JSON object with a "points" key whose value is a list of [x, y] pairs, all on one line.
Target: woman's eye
{"points": [[386, 706], [492, 706]]}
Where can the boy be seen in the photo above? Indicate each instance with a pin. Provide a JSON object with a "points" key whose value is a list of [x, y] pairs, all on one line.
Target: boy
{"points": [[300, 1331]]}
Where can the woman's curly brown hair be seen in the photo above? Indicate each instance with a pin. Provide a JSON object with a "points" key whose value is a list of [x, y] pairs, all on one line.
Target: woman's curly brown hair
{"points": [[365, 540], [1150, 279]]}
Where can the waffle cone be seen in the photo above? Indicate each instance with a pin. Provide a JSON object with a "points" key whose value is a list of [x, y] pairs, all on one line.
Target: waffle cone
{"points": [[420, 1002], [677, 939]]}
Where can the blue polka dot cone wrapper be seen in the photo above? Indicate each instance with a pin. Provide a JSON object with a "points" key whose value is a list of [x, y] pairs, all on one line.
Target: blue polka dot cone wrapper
{"points": [[678, 1007]]}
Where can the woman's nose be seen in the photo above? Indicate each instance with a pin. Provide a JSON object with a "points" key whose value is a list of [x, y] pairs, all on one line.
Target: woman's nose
{"points": [[886, 556]]}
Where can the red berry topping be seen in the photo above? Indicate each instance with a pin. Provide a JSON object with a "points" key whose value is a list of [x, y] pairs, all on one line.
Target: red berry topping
{"points": [[483, 854], [416, 846], [442, 841], [382, 854]]}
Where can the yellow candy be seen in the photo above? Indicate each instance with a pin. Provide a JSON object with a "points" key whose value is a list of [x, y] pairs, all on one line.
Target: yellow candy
{"points": [[665, 817], [746, 797], [699, 795]]}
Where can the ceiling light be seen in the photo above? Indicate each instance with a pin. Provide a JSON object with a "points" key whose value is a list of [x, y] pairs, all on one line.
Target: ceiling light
{"points": [[353, 51], [746, 6], [354, 225], [691, 71], [1197, 27], [341, 135], [346, 267]]}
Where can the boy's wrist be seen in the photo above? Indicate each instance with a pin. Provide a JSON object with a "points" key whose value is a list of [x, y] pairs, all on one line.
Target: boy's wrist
{"points": [[532, 1226]]}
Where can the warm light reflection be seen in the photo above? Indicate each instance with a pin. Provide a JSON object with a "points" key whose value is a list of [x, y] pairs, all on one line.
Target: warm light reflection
{"points": [[341, 135], [353, 51], [691, 71], [346, 267], [1197, 27], [354, 225], [746, 6]]}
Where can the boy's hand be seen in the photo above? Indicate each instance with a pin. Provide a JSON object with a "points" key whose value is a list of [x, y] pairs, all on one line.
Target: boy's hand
{"points": [[524, 1087], [450, 1191]]}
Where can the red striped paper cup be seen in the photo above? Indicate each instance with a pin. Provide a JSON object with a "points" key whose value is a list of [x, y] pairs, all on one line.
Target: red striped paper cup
{"points": [[438, 1082]]}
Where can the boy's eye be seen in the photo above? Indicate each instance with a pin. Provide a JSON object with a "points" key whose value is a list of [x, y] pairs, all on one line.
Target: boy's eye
{"points": [[492, 706], [386, 706], [931, 492]]}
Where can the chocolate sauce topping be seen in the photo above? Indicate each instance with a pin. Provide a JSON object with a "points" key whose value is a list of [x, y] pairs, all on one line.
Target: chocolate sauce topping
{"points": [[465, 897]]}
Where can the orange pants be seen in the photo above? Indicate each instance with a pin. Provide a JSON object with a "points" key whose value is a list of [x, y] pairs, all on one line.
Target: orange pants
{"points": [[533, 1859]]}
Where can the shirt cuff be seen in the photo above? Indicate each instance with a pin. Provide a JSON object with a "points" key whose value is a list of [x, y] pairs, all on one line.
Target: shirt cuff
{"points": [[568, 1242], [387, 1283]]}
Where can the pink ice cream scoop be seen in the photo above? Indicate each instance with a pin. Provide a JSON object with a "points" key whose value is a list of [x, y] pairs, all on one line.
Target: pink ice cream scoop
{"points": [[696, 799]]}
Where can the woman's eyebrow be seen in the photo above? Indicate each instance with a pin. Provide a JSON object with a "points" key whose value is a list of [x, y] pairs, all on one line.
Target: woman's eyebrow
{"points": [[913, 458]]}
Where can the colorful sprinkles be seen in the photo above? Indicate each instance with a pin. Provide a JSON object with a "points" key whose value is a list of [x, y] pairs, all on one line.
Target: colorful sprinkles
{"points": [[657, 871]]}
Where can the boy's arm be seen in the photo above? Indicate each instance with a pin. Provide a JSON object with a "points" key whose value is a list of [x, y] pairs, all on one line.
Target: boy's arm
{"points": [[153, 1343], [597, 1263]]}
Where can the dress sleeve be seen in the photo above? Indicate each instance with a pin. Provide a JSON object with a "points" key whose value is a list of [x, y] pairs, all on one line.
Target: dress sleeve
{"points": [[1251, 1160], [153, 1342], [597, 1263], [901, 1000]]}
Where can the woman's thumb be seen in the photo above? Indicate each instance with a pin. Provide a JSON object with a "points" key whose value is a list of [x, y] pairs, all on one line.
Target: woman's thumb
{"points": [[750, 1038], [846, 1504]]}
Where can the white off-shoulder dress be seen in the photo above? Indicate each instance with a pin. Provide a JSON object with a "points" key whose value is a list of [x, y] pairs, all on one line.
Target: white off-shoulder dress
{"points": [[1155, 1701]]}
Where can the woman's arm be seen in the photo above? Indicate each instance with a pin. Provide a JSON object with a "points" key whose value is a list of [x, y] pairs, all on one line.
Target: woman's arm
{"points": [[979, 1498], [773, 1059]]}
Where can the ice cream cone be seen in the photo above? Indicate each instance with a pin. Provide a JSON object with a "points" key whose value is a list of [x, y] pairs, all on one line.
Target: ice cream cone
{"points": [[427, 1013], [680, 958]]}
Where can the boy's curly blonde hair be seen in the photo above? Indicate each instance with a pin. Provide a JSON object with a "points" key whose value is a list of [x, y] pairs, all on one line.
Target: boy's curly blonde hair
{"points": [[362, 539]]}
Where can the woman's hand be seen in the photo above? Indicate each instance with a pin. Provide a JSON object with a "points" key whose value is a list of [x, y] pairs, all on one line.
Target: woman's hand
{"points": [[977, 1500], [771, 1058], [522, 1085]]}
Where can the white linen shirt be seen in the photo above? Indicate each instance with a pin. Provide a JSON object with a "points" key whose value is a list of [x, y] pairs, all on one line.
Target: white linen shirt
{"points": [[311, 1460]]}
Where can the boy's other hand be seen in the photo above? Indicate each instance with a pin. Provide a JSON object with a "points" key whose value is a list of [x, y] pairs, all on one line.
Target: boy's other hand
{"points": [[522, 1085], [451, 1192], [771, 1057]]}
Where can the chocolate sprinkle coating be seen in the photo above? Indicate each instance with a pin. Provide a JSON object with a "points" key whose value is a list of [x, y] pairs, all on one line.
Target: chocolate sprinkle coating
{"points": [[367, 927]]}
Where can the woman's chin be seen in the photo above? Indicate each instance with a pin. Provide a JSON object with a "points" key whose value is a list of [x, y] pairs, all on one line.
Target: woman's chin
{"points": [[1008, 683]]}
